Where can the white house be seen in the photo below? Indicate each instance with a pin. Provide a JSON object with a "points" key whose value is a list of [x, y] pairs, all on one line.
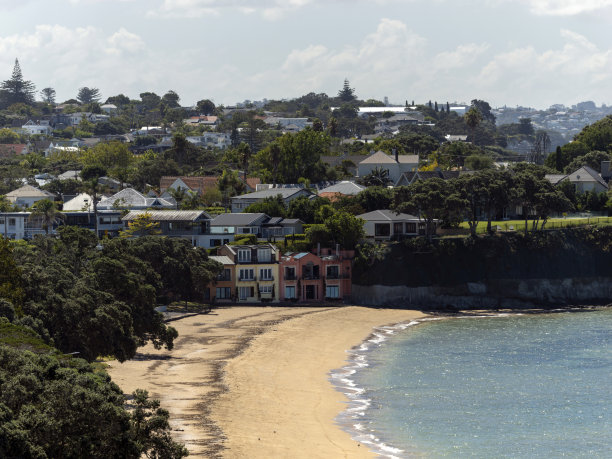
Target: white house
{"points": [[584, 179], [13, 224], [40, 127], [27, 195], [396, 165]]}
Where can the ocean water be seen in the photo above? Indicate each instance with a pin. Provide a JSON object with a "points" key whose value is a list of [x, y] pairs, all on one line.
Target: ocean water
{"points": [[511, 386]]}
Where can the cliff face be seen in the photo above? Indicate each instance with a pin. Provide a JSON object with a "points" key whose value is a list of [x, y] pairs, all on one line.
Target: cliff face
{"points": [[498, 294], [543, 269]]}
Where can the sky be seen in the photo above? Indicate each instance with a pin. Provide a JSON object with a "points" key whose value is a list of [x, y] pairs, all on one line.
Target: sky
{"points": [[531, 53]]}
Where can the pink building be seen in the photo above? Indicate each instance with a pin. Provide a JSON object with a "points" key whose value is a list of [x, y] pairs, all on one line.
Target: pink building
{"points": [[311, 277]]}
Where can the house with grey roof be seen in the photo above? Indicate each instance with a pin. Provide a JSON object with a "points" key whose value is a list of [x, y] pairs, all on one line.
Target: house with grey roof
{"points": [[340, 189], [27, 195], [129, 198], [584, 179], [193, 225], [408, 178], [239, 203], [396, 164], [225, 227], [384, 225], [278, 227]]}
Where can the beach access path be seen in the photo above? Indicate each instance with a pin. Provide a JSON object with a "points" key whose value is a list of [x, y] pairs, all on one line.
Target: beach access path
{"points": [[254, 381]]}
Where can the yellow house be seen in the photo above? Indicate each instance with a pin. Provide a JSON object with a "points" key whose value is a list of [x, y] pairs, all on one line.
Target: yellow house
{"points": [[256, 271]]}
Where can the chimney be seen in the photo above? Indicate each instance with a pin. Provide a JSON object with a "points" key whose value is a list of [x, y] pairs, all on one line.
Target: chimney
{"points": [[395, 154], [606, 173], [338, 250], [318, 249]]}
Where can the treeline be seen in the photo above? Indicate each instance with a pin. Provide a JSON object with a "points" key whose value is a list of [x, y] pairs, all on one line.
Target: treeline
{"points": [[96, 299], [65, 302], [54, 406]]}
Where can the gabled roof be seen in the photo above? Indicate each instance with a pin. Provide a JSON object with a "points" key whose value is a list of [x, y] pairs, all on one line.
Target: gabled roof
{"points": [[81, 201], [200, 183], [245, 219], [169, 215], [345, 187], [586, 174], [387, 215], [28, 191], [380, 157], [129, 197], [272, 192]]}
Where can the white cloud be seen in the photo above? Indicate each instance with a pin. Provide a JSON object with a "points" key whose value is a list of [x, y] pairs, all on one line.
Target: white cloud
{"points": [[566, 7], [67, 59], [579, 69], [269, 9], [122, 40]]}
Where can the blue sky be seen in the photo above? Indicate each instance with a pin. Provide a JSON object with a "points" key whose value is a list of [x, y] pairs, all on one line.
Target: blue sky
{"points": [[508, 52]]}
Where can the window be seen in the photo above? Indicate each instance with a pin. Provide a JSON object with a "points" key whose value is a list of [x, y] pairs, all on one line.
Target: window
{"points": [[411, 228], [246, 292], [11, 221], [265, 289], [290, 292], [244, 255], [382, 229], [265, 274], [245, 230], [290, 273], [332, 291], [332, 272], [398, 228], [264, 255], [226, 275], [215, 242], [224, 293], [247, 274]]}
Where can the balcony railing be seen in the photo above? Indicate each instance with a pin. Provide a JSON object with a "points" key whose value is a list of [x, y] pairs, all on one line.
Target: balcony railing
{"points": [[309, 276], [290, 277], [224, 278], [247, 279], [263, 279], [337, 276]]}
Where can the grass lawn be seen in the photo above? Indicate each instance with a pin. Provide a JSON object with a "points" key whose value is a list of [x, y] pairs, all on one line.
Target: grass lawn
{"points": [[552, 223]]}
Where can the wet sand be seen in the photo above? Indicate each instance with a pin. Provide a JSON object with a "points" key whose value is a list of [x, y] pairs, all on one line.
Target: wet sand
{"points": [[254, 381]]}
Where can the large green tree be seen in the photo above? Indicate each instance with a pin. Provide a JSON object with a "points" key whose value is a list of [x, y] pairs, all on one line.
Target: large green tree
{"points": [[16, 90], [88, 95]]}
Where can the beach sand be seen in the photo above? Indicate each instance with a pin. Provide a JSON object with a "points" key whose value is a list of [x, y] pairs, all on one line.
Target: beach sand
{"points": [[253, 382]]}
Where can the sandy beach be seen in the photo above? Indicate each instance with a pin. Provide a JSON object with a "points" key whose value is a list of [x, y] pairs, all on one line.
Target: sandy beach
{"points": [[254, 381]]}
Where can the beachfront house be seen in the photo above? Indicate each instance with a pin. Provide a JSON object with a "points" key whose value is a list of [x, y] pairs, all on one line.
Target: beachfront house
{"points": [[321, 275], [223, 288], [256, 271]]}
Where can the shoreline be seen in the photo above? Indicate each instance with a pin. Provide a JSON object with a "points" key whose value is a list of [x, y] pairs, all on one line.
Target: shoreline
{"points": [[255, 381], [258, 381]]}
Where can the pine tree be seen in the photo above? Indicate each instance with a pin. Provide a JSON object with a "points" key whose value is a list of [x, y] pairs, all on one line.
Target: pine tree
{"points": [[16, 89], [346, 94]]}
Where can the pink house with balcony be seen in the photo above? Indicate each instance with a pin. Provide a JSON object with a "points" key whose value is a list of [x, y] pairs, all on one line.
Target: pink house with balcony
{"points": [[321, 275]]}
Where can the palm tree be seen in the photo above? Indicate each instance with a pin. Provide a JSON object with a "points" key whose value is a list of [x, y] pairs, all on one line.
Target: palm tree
{"points": [[275, 157], [179, 194], [378, 177], [48, 212], [473, 118], [91, 185]]}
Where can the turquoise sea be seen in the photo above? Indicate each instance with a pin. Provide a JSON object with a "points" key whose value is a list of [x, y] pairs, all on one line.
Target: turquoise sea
{"points": [[510, 386]]}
